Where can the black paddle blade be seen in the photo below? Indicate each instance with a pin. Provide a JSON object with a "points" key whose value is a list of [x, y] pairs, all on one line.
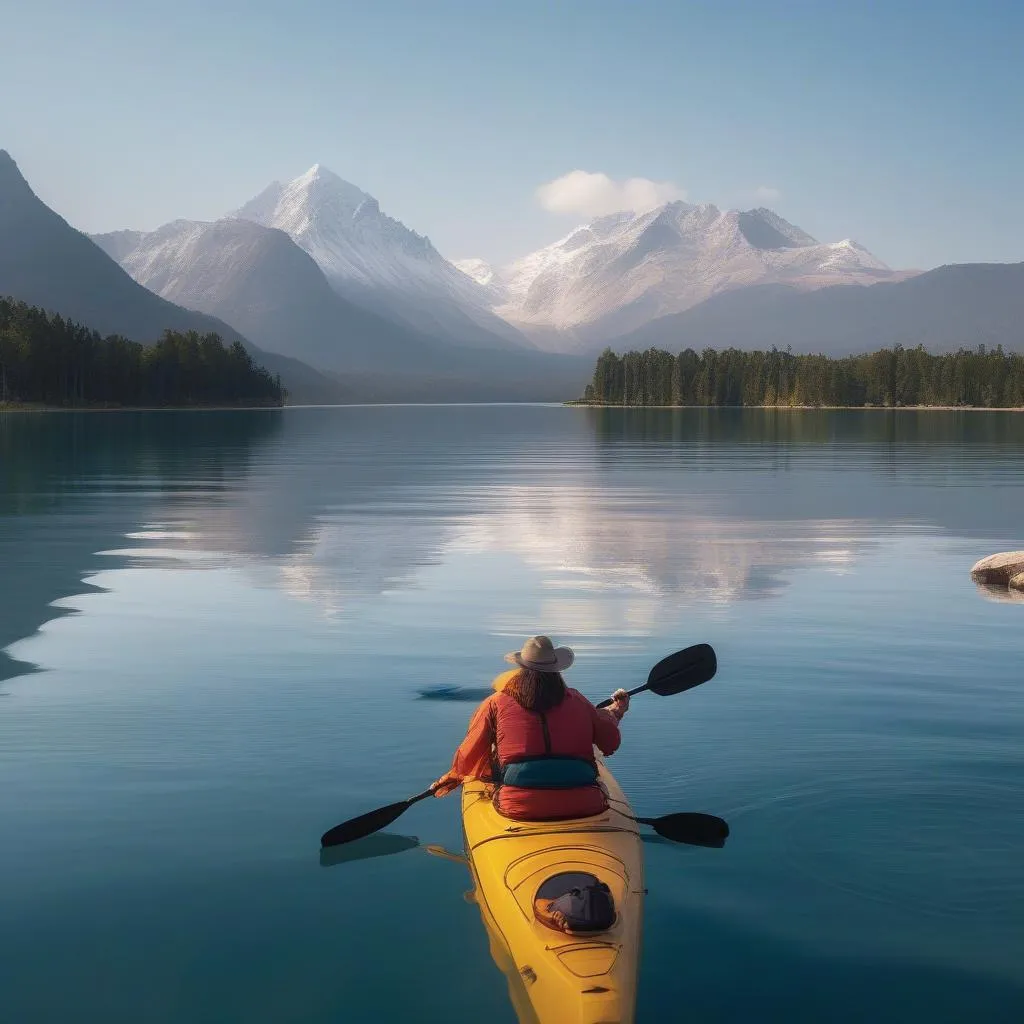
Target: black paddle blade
{"points": [[364, 825], [680, 671], [691, 827]]}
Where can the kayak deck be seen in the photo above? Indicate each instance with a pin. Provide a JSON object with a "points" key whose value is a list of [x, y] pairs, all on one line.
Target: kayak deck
{"points": [[567, 979]]}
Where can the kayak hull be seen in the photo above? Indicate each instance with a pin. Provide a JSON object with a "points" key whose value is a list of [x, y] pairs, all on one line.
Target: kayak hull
{"points": [[555, 977]]}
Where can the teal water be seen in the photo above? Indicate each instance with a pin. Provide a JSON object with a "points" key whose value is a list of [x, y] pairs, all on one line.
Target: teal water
{"points": [[216, 628]]}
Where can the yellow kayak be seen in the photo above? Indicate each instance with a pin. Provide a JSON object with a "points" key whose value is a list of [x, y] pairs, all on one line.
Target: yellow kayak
{"points": [[557, 977]]}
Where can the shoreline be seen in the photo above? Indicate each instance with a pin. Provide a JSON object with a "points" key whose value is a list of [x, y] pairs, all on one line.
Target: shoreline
{"points": [[25, 407], [812, 408], [29, 407]]}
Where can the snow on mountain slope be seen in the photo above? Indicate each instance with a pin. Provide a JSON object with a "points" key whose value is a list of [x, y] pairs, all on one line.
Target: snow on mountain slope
{"points": [[624, 270], [375, 260], [479, 270]]}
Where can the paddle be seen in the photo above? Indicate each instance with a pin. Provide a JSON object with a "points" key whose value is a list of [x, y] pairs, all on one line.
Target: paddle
{"points": [[678, 672], [691, 827], [674, 674], [372, 821]]}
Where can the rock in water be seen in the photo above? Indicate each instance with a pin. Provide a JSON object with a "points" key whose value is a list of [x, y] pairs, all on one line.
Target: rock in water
{"points": [[1017, 582], [999, 568]]}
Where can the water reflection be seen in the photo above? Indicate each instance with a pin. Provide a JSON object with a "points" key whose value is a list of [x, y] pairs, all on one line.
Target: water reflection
{"points": [[1000, 594], [380, 844], [770, 428], [588, 539], [74, 484], [502, 957], [620, 515], [931, 469], [469, 694]]}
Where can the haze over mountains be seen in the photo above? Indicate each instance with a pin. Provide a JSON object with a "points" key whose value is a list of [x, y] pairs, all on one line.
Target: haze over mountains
{"points": [[677, 275], [348, 303], [258, 280]]}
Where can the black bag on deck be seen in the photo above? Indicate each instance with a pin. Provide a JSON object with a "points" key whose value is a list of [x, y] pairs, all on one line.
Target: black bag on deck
{"points": [[586, 907]]}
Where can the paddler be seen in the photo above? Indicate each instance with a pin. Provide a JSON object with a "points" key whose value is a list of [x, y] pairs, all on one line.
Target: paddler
{"points": [[534, 738]]}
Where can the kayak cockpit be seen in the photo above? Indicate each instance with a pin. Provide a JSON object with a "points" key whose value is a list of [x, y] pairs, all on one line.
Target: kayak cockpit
{"points": [[574, 902]]}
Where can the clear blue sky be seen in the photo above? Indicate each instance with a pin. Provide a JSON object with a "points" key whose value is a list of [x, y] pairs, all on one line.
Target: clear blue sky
{"points": [[898, 124]]}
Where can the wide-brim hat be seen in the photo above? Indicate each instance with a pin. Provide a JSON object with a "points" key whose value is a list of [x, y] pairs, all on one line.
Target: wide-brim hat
{"points": [[540, 655]]}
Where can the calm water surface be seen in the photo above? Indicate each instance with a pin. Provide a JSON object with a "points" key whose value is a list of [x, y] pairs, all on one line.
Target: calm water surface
{"points": [[217, 627]]}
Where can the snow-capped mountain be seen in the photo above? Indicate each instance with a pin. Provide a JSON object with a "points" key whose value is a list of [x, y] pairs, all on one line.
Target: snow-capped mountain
{"points": [[376, 261], [614, 275], [258, 280]]}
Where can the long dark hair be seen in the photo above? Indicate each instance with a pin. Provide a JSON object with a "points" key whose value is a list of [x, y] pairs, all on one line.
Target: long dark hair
{"points": [[536, 691]]}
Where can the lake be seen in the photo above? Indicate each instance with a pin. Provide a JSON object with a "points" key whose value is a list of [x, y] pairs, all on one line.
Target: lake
{"points": [[217, 628]]}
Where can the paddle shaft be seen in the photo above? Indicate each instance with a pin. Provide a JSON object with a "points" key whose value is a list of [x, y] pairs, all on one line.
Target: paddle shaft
{"points": [[421, 796], [608, 703]]}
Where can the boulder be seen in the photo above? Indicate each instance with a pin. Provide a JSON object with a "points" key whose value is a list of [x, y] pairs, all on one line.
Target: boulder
{"points": [[999, 568], [1017, 582]]}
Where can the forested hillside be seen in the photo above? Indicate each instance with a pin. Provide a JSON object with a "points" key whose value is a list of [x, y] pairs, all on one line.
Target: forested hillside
{"points": [[890, 377], [47, 359]]}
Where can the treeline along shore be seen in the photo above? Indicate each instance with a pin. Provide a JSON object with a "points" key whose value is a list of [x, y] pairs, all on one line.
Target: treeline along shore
{"points": [[49, 361], [889, 378]]}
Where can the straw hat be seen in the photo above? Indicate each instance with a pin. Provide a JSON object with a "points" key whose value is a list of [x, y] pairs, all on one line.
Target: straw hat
{"points": [[541, 655]]}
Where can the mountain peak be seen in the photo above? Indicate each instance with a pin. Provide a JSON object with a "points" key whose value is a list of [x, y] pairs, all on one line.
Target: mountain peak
{"points": [[320, 183], [376, 261], [318, 172], [765, 229], [12, 181]]}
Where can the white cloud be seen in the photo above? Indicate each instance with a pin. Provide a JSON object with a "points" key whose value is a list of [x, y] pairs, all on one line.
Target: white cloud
{"points": [[594, 195], [767, 192]]}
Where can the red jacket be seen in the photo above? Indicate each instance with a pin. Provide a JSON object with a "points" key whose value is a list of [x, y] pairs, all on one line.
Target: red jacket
{"points": [[575, 727]]}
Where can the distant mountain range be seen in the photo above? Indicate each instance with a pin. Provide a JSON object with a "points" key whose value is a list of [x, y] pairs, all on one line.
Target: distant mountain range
{"points": [[618, 273], [348, 303], [265, 287], [958, 306], [679, 275]]}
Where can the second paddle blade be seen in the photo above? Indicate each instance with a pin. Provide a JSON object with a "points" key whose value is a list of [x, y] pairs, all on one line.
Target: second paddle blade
{"points": [[364, 825], [680, 671], [691, 827]]}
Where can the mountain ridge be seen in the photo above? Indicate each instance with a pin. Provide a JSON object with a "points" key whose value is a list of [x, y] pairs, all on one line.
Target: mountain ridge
{"points": [[620, 271], [953, 306], [47, 263]]}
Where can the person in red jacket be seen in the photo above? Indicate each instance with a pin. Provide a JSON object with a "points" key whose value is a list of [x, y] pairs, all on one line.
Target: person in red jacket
{"points": [[535, 737]]}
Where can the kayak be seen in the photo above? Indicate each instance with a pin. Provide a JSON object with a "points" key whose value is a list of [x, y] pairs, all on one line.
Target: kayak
{"points": [[555, 976]]}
